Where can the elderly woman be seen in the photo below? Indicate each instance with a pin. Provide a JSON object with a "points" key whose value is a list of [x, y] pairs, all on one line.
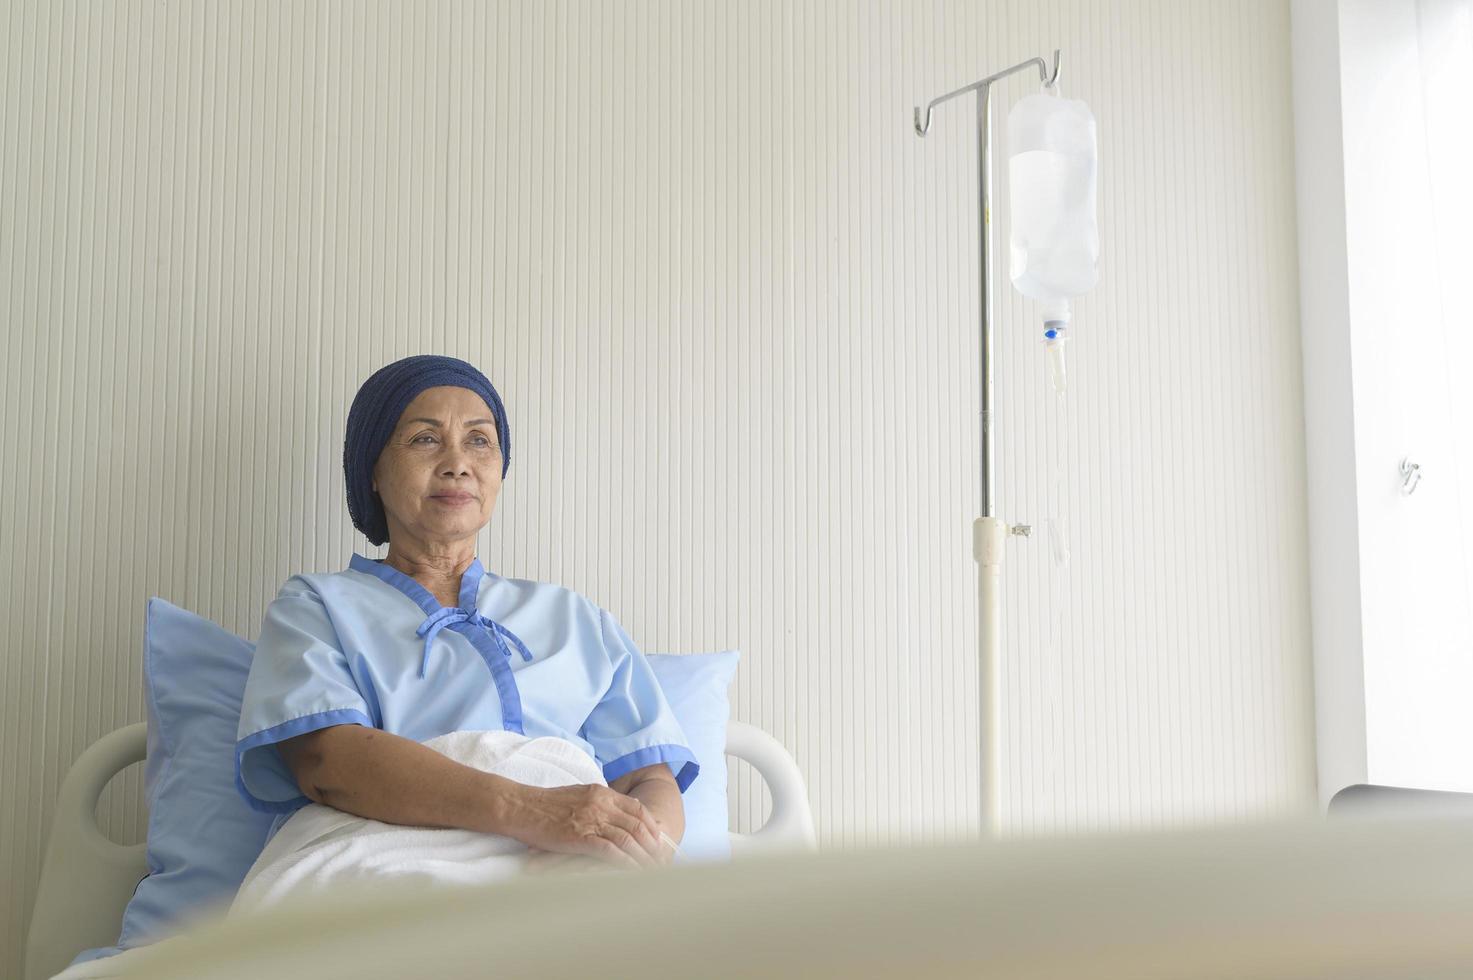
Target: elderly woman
{"points": [[355, 669]]}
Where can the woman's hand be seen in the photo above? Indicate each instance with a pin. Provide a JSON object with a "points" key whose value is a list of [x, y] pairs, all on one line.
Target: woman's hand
{"points": [[545, 862], [587, 820], [551, 862]]}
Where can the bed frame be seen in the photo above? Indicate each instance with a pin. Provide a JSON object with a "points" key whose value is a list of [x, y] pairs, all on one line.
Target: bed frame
{"points": [[87, 880]]}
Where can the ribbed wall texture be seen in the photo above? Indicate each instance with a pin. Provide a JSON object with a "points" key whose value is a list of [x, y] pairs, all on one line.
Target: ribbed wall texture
{"points": [[730, 299]]}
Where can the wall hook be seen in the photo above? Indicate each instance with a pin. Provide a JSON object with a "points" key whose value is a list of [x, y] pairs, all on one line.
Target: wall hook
{"points": [[1411, 475]]}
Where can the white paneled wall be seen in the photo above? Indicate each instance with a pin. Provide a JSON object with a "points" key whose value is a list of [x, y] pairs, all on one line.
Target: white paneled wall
{"points": [[730, 300]]}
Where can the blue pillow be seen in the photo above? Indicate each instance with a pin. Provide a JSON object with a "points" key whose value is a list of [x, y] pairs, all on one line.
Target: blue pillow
{"points": [[695, 685], [202, 838]]}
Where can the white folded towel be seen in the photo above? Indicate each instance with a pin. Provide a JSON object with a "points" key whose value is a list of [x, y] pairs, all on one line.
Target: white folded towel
{"points": [[320, 846]]}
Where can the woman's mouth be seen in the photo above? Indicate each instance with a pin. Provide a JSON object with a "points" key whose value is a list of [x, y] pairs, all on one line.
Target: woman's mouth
{"points": [[452, 499]]}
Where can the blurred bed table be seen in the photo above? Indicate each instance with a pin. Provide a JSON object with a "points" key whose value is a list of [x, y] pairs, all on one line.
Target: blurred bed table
{"points": [[1295, 900]]}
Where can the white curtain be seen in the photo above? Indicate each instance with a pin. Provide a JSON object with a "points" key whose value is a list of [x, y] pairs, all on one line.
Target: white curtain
{"points": [[1445, 42]]}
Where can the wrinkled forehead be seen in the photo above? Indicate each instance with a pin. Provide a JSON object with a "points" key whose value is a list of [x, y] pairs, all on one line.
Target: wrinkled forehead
{"points": [[449, 404]]}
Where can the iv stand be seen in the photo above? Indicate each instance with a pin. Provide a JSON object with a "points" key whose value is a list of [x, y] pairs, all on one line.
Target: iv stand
{"points": [[988, 531]]}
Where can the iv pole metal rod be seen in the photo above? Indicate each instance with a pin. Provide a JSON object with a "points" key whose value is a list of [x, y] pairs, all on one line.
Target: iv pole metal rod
{"points": [[988, 531]]}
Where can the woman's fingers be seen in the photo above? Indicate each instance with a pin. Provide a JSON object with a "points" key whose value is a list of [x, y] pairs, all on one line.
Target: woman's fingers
{"points": [[540, 861], [638, 809], [648, 841], [548, 861], [626, 835], [608, 851]]}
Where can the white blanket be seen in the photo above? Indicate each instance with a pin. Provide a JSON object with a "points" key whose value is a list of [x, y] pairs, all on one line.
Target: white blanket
{"points": [[320, 846]]}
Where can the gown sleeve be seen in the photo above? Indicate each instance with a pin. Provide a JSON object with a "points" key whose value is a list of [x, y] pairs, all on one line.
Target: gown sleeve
{"points": [[299, 682], [632, 726]]}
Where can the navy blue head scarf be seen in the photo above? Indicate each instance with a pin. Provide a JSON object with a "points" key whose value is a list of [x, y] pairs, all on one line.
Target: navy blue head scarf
{"points": [[375, 414]]}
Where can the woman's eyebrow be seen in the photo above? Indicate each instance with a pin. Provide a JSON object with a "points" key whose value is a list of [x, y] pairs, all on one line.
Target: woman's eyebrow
{"points": [[438, 424]]}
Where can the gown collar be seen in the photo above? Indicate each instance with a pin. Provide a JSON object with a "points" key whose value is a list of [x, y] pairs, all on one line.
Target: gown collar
{"points": [[459, 618], [470, 583]]}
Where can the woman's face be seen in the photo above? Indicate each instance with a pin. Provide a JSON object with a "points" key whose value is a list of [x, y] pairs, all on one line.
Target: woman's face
{"points": [[440, 472]]}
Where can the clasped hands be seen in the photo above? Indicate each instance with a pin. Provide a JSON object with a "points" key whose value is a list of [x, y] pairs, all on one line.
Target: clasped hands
{"points": [[590, 827]]}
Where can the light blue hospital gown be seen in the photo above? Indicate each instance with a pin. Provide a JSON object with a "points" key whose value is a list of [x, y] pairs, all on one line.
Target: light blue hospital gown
{"points": [[371, 646]]}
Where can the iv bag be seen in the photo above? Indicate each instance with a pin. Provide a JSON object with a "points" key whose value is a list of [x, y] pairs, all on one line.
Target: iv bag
{"points": [[1051, 174]]}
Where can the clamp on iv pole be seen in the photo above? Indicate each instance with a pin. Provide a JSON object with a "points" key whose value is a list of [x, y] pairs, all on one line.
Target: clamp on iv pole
{"points": [[988, 531]]}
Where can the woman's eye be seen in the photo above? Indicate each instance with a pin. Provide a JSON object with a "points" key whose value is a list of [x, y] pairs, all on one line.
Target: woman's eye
{"points": [[479, 442]]}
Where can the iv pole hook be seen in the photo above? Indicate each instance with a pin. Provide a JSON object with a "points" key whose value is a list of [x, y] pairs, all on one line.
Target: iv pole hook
{"points": [[1048, 78]]}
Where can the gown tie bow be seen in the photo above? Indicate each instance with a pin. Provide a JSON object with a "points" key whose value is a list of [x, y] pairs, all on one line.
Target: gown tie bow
{"points": [[452, 615]]}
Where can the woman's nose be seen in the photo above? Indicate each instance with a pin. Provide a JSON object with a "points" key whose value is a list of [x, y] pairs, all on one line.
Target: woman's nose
{"points": [[455, 462]]}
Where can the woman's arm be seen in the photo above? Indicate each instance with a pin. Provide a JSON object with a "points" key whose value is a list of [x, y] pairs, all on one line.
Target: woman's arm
{"points": [[382, 776], [655, 787]]}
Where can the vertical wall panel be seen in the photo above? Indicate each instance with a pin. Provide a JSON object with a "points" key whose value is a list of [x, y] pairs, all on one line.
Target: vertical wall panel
{"points": [[730, 300]]}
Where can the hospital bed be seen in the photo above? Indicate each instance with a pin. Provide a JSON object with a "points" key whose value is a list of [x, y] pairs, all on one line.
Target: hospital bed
{"points": [[1309, 898], [87, 879]]}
